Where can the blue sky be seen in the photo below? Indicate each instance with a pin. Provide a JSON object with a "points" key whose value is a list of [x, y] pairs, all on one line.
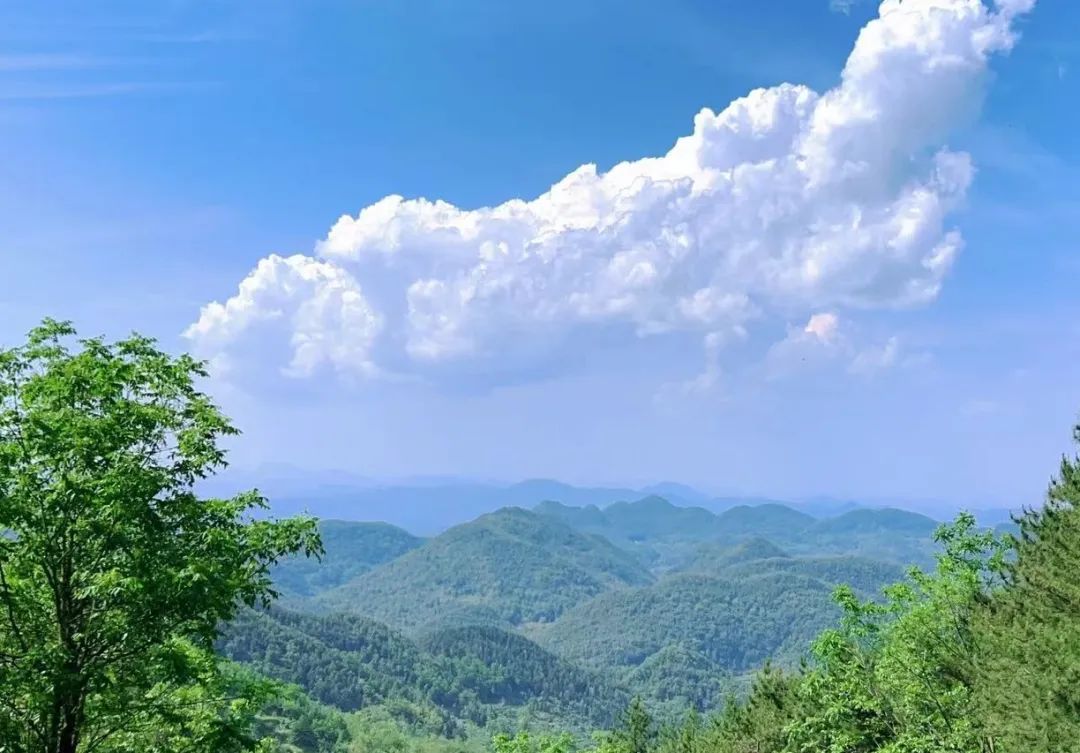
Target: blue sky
{"points": [[152, 156]]}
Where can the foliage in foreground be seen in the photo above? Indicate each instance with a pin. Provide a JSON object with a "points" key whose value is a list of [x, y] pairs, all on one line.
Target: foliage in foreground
{"points": [[114, 575]]}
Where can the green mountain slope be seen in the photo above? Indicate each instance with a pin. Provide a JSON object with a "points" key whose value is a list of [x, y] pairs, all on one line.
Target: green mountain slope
{"points": [[344, 660], [478, 675], [736, 624], [770, 521], [886, 519], [713, 558], [865, 575], [500, 667], [665, 537], [555, 616], [351, 549], [656, 518], [884, 534], [506, 568], [679, 676]]}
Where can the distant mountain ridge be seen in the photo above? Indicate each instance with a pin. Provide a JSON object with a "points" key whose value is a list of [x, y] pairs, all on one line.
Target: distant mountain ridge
{"points": [[669, 537], [426, 506]]}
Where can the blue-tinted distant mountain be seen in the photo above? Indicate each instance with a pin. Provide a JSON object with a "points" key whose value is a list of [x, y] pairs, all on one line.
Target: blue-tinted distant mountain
{"points": [[428, 505], [587, 518], [873, 521], [668, 537], [424, 506], [819, 507], [660, 534], [528, 493], [897, 536], [825, 507], [646, 519], [673, 492], [772, 521]]}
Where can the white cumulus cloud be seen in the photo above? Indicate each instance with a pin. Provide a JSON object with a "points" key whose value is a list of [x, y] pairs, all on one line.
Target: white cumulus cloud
{"points": [[318, 305], [786, 200]]}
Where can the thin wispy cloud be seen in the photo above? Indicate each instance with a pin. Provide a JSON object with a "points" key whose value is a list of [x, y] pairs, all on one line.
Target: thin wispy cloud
{"points": [[49, 92], [205, 36], [50, 61]]}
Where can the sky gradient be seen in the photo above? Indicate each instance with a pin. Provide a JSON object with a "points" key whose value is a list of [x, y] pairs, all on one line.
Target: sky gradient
{"points": [[862, 283]]}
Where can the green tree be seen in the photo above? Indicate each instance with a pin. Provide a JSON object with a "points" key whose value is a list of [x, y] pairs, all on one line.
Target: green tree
{"points": [[758, 724], [1028, 675], [898, 675], [684, 737], [635, 732], [114, 574], [523, 742]]}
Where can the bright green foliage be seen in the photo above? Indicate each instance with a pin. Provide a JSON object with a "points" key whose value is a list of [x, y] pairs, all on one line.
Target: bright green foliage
{"points": [[897, 676], [682, 738], [1029, 672], [759, 724], [292, 723], [114, 575], [523, 742], [636, 732]]}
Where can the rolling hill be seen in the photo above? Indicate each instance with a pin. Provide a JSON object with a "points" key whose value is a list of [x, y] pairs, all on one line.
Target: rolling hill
{"points": [[736, 624], [772, 521], [868, 576], [508, 568], [479, 675], [351, 549], [557, 615], [886, 533]]}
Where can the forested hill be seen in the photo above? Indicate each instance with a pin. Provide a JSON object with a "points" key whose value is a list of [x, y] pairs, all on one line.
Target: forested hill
{"points": [[506, 568], [478, 675], [677, 638], [351, 549], [554, 617], [669, 537]]}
